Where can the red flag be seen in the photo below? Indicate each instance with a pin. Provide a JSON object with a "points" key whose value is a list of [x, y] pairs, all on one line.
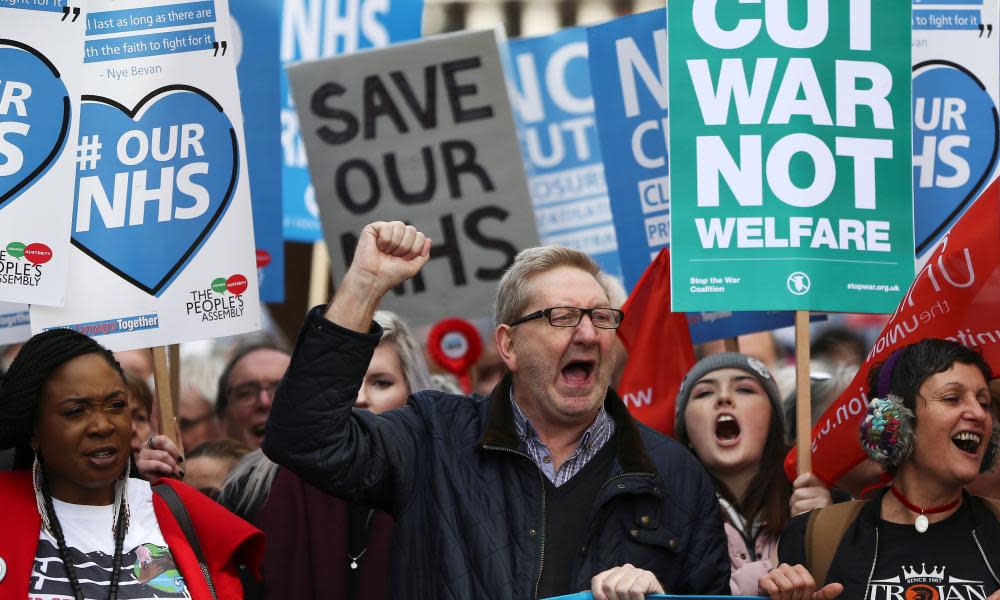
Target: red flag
{"points": [[956, 296], [659, 348]]}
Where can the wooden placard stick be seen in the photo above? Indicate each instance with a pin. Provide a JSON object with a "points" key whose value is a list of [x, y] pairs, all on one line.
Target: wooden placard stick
{"points": [[319, 275], [164, 398], [803, 392], [174, 356], [731, 344]]}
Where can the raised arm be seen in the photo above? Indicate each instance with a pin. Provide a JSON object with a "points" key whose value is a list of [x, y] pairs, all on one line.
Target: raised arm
{"points": [[312, 430], [387, 254]]}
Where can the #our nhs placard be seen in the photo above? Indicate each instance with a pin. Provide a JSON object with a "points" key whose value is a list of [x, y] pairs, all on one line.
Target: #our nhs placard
{"points": [[162, 227], [431, 141], [313, 29], [956, 129], [255, 27], [628, 70], [41, 60], [15, 324], [550, 93]]}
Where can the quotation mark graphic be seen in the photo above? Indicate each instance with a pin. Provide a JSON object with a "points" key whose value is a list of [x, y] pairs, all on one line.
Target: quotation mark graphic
{"points": [[66, 11], [988, 29], [88, 152], [218, 45]]}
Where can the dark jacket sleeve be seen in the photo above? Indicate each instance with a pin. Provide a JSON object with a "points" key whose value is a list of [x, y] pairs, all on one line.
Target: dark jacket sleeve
{"points": [[313, 431], [792, 545], [707, 561]]}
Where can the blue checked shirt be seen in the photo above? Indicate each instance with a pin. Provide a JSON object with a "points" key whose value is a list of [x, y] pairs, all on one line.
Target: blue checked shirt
{"points": [[594, 438]]}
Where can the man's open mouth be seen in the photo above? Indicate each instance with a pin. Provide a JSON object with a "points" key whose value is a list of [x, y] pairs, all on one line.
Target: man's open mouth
{"points": [[578, 372]]}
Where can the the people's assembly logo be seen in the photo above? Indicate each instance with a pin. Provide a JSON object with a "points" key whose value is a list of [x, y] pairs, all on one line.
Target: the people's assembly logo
{"points": [[926, 585], [21, 264], [223, 299]]}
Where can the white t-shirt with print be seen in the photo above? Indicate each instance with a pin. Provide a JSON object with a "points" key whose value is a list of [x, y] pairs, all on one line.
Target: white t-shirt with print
{"points": [[148, 570]]}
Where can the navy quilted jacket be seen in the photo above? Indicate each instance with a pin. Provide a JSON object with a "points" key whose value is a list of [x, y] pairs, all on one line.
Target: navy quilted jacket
{"points": [[469, 505]]}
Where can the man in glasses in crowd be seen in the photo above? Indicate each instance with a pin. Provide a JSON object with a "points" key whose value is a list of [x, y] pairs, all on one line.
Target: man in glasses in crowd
{"points": [[546, 487], [246, 390]]}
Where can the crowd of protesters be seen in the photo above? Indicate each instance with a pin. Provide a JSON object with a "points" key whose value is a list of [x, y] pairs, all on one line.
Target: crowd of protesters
{"points": [[342, 469]]}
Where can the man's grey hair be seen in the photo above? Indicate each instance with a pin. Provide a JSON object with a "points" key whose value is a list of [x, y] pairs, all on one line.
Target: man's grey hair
{"points": [[201, 375], [411, 359], [616, 291], [515, 290]]}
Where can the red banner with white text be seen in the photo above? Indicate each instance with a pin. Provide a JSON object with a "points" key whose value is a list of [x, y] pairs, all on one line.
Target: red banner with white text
{"points": [[955, 296], [659, 348]]}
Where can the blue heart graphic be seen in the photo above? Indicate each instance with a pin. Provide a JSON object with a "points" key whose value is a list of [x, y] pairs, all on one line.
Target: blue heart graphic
{"points": [[956, 135], [34, 119], [152, 182]]}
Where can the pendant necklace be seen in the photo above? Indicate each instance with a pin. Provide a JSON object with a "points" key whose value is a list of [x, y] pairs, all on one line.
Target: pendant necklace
{"points": [[363, 534], [921, 523], [355, 559]]}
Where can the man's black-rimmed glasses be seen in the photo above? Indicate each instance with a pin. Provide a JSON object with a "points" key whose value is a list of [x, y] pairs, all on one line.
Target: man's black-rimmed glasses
{"points": [[570, 316]]}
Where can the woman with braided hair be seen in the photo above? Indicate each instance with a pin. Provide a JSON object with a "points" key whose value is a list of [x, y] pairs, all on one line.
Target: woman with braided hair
{"points": [[74, 524]]}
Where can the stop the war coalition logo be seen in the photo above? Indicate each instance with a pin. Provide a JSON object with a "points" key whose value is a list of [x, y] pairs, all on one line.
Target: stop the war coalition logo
{"points": [[21, 264], [956, 134], [223, 300], [34, 117], [153, 181]]}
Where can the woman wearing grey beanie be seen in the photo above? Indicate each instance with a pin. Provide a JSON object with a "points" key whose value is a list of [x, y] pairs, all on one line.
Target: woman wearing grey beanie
{"points": [[729, 415]]}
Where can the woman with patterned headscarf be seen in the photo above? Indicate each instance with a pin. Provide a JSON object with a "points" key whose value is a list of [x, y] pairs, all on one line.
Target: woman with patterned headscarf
{"points": [[932, 425]]}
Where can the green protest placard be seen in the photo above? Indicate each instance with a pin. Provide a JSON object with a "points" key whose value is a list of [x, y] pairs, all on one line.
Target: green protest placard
{"points": [[790, 162]]}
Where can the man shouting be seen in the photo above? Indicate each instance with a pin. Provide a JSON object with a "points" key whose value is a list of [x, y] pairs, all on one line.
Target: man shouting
{"points": [[545, 487]]}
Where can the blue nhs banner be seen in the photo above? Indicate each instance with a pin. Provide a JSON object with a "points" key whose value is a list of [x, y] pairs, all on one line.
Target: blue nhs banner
{"points": [[312, 29], [628, 69], [256, 27], [628, 72], [551, 95]]}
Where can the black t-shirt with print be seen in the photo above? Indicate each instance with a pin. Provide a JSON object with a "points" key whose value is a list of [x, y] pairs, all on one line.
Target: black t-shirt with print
{"points": [[942, 563]]}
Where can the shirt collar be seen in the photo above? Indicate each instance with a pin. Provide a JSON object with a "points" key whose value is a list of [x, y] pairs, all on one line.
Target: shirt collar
{"points": [[525, 431]]}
